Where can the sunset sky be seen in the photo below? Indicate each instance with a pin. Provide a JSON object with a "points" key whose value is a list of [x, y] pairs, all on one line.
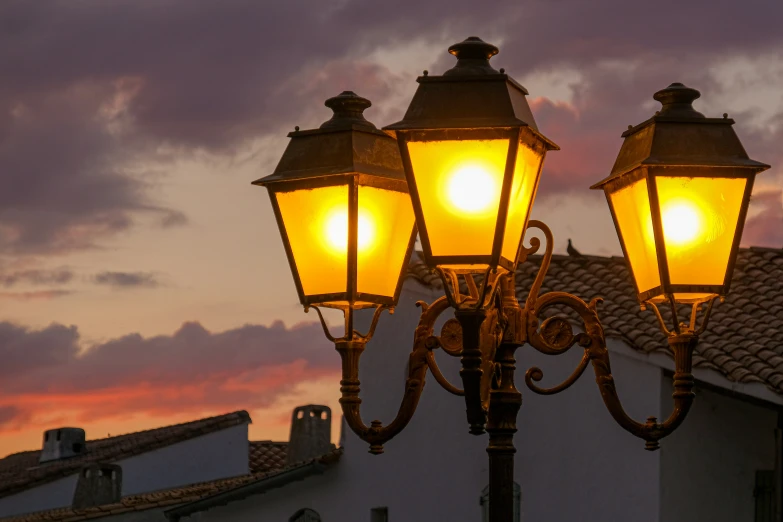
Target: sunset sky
{"points": [[142, 279]]}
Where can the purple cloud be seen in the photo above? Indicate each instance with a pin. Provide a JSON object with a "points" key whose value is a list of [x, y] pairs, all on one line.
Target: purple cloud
{"points": [[36, 277], [93, 92], [193, 368], [127, 279], [36, 295]]}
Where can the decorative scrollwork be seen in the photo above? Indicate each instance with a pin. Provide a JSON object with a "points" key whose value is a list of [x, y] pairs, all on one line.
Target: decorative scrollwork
{"points": [[440, 378], [450, 341], [536, 374], [554, 336], [546, 259], [557, 333], [488, 327], [451, 337]]}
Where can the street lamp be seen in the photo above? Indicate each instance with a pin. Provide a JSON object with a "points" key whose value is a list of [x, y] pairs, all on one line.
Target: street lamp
{"points": [[472, 156], [678, 193], [342, 206]]}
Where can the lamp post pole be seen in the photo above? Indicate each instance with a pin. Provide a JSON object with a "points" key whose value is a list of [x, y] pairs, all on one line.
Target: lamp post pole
{"points": [[504, 404]]}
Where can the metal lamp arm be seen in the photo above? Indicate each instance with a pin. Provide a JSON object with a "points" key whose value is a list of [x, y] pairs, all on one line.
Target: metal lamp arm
{"points": [[420, 359], [377, 434], [651, 431], [555, 336]]}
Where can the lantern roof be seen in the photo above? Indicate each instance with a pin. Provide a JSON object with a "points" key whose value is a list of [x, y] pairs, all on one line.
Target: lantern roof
{"points": [[470, 95], [346, 144], [679, 136]]}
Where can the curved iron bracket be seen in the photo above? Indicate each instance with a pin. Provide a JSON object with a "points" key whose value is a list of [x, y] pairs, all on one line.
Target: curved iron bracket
{"points": [[554, 336]]}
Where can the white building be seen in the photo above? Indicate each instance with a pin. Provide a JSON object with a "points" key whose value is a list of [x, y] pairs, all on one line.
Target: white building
{"points": [[573, 463], [139, 475]]}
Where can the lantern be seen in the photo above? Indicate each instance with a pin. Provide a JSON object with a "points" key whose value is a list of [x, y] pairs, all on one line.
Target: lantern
{"points": [[679, 194], [343, 209], [472, 155]]}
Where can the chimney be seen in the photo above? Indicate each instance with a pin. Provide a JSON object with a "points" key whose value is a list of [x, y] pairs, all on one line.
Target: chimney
{"points": [[98, 485], [62, 443], [311, 433]]}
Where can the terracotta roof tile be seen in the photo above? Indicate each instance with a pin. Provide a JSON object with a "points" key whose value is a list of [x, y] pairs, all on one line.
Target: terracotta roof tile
{"points": [[742, 342], [266, 455], [22, 471]]}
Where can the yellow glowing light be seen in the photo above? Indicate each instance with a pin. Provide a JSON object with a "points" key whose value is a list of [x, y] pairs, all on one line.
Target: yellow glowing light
{"points": [[472, 189], [336, 231], [682, 222]]}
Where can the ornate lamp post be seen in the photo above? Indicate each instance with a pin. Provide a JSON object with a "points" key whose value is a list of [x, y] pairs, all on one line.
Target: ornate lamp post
{"points": [[471, 154]]}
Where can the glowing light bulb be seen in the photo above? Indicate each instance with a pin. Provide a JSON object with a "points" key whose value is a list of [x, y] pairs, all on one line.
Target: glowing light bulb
{"points": [[336, 231], [682, 222], [472, 189]]}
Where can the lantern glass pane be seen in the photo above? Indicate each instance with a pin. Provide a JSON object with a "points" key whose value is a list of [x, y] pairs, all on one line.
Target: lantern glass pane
{"points": [[631, 206], [523, 187], [699, 218], [459, 184], [316, 221], [385, 226]]}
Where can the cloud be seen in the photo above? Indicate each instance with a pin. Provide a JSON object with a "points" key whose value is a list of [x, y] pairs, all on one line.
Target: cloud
{"points": [[36, 277], [9, 414], [86, 129], [62, 184], [127, 279], [35, 295], [193, 369], [766, 227]]}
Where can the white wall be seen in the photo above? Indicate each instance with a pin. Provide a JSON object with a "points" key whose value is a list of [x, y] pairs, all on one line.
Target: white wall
{"points": [[574, 463], [52, 495], [220, 454], [213, 456], [708, 465]]}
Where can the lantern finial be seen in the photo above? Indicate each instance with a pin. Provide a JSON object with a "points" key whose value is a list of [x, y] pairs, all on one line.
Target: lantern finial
{"points": [[473, 56], [348, 108], [677, 101]]}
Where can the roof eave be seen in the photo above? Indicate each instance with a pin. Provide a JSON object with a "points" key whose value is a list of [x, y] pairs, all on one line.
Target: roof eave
{"points": [[262, 485]]}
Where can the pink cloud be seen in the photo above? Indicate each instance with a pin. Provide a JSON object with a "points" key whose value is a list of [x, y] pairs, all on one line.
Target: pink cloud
{"points": [[193, 370]]}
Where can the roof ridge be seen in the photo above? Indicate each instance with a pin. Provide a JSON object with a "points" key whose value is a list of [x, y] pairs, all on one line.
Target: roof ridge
{"points": [[242, 414], [21, 474], [764, 249]]}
